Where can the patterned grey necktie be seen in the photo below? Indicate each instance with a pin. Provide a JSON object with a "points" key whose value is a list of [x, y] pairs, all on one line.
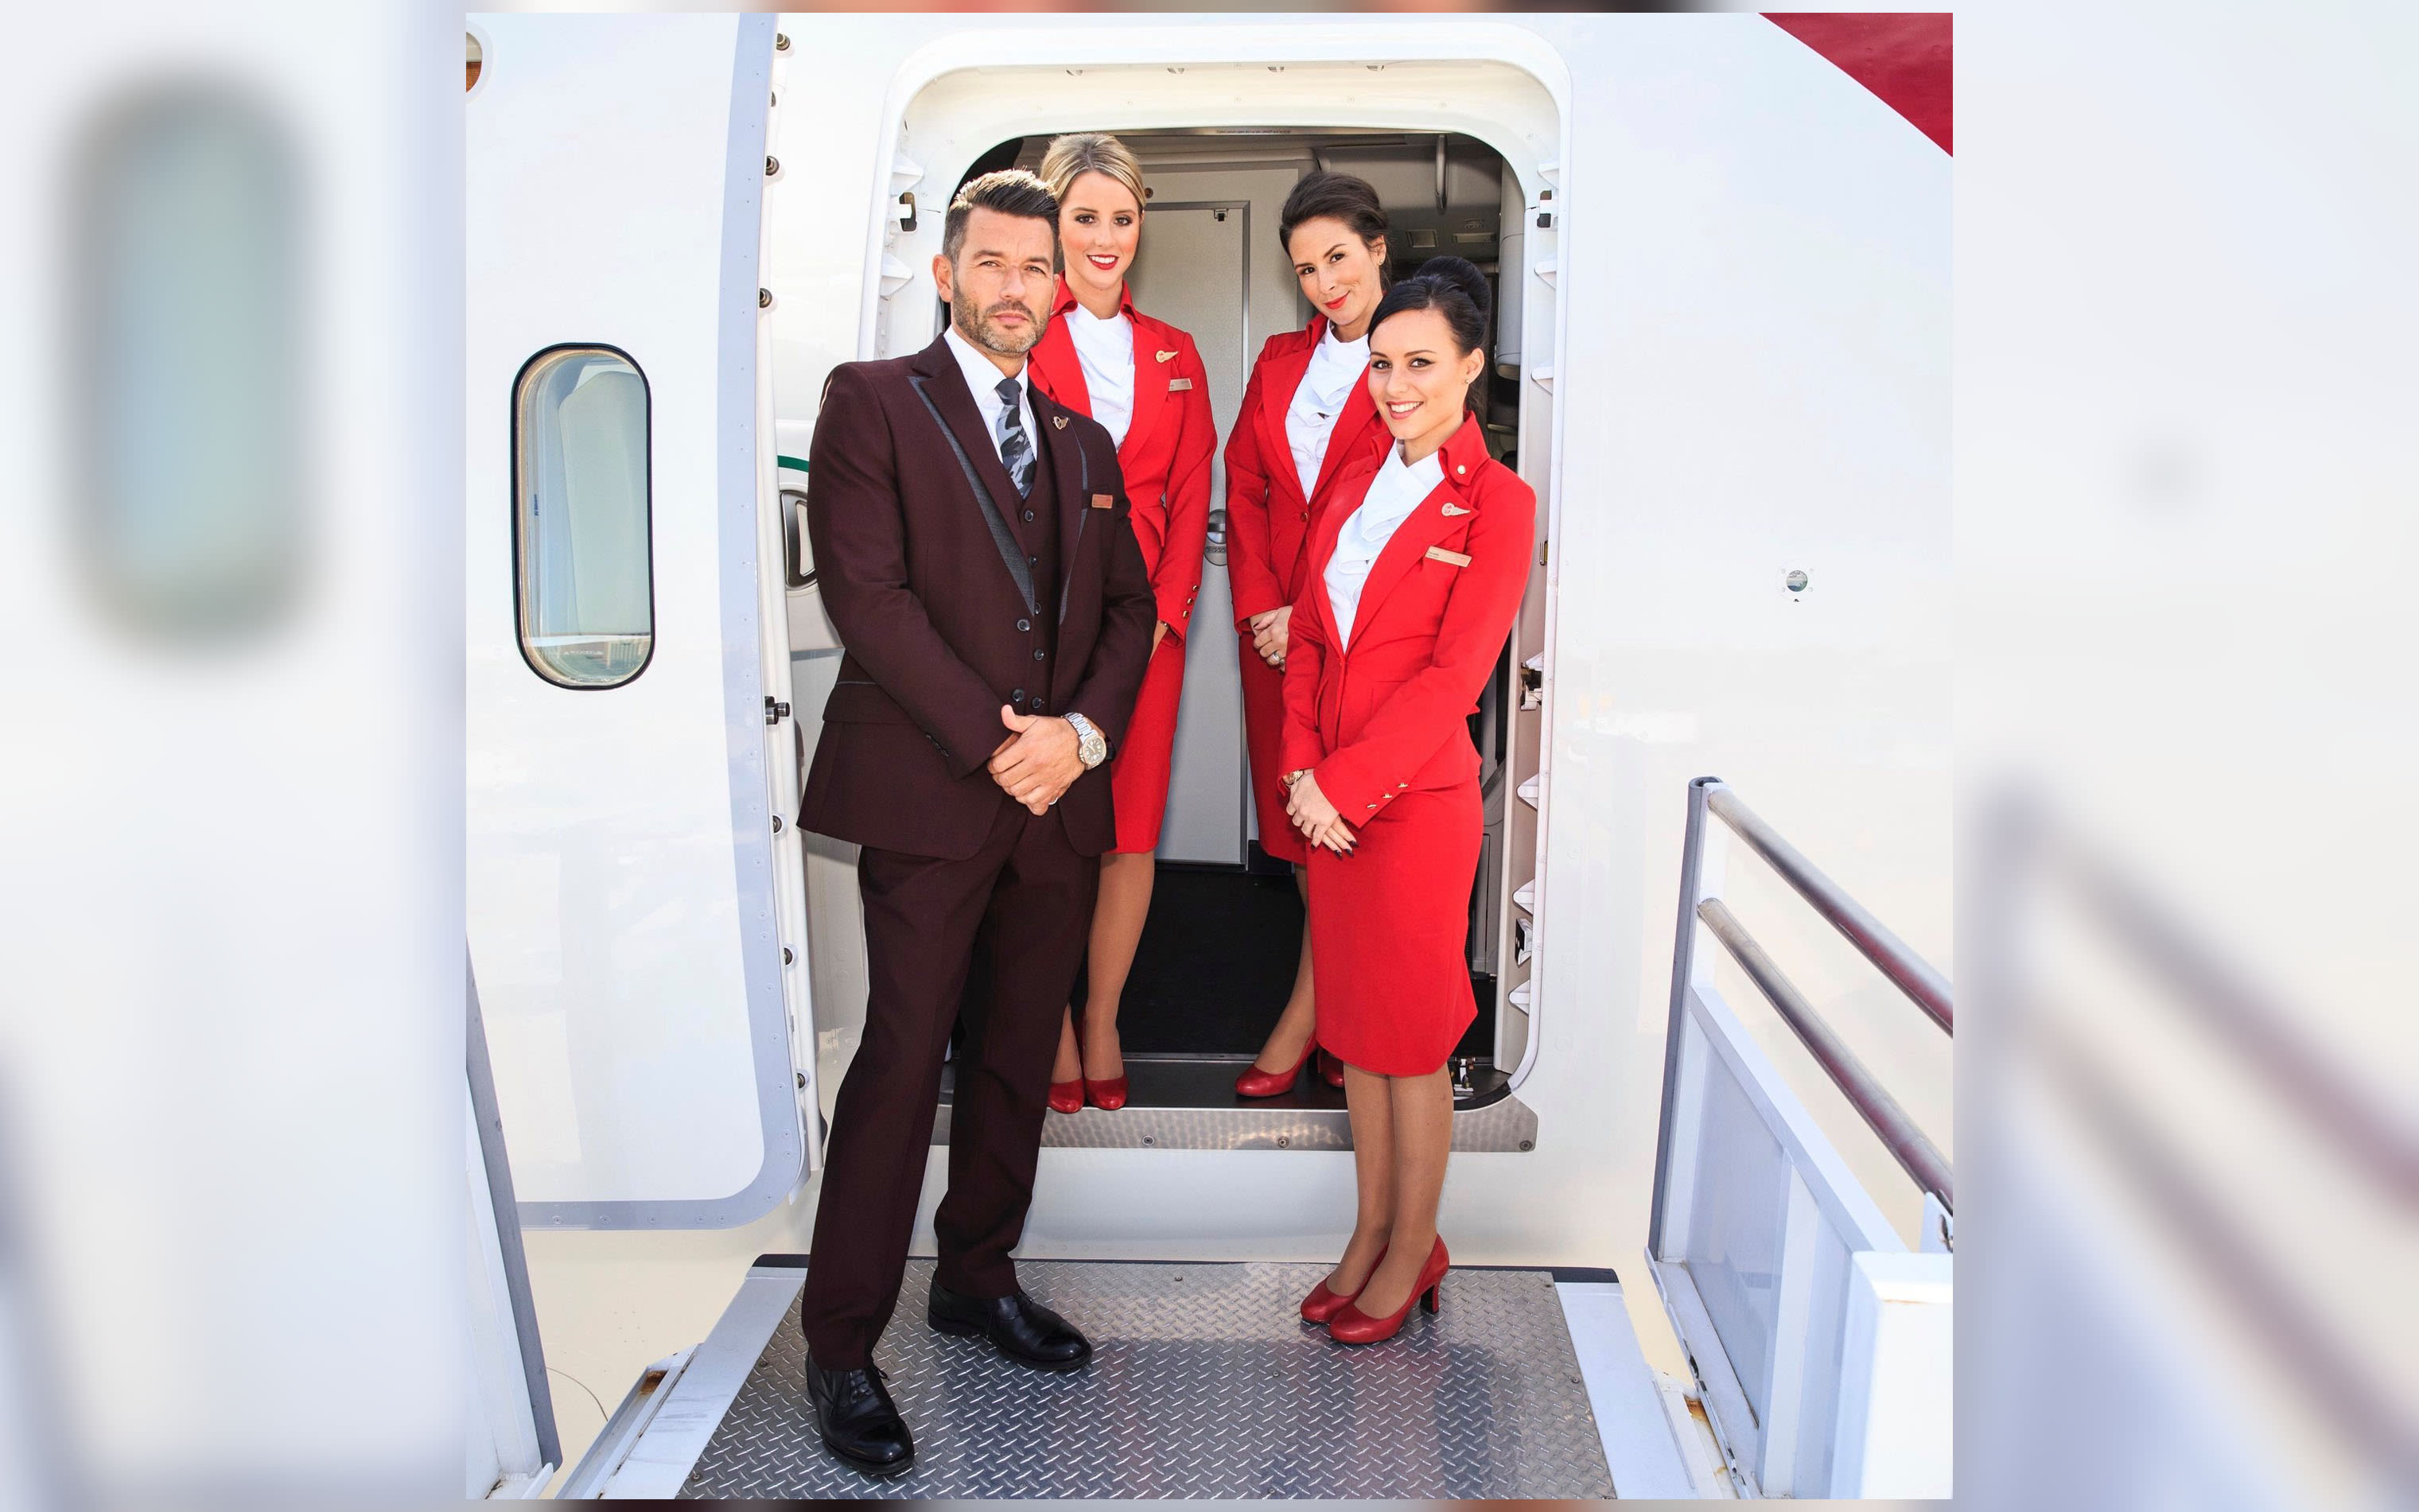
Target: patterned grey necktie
{"points": [[1015, 447]]}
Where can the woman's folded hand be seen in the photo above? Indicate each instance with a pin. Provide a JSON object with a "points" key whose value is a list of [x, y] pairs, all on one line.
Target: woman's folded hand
{"points": [[1316, 817], [1271, 633]]}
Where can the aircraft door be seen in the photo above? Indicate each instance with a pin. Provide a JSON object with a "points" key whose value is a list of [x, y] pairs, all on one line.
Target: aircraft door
{"points": [[630, 749], [1192, 275]]}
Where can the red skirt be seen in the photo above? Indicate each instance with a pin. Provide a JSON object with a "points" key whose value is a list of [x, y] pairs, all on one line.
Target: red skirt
{"points": [[1264, 736], [1389, 926], [1138, 774]]}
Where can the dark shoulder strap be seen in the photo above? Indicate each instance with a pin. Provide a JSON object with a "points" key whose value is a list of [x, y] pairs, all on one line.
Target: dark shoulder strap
{"points": [[1010, 552]]}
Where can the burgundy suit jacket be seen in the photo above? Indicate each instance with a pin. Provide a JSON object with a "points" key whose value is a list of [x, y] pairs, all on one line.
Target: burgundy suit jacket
{"points": [[915, 549]]}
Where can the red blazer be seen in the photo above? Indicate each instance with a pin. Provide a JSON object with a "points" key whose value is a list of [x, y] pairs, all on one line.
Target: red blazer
{"points": [[1167, 450], [1268, 520], [1386, 714]]}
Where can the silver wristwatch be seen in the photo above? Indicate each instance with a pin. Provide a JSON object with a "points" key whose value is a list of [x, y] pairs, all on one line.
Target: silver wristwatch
{"points": [[1090, 744]]}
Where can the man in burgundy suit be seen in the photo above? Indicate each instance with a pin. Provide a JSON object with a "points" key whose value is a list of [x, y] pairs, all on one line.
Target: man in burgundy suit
{"points": [[972, 543]]}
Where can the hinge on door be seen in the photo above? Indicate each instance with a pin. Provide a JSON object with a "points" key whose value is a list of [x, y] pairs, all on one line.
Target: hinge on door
{"points": [[774, 710]]}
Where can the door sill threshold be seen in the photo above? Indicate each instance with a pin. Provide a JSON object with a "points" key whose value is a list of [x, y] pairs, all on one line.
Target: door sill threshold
{"points": [[1189, 1103]]}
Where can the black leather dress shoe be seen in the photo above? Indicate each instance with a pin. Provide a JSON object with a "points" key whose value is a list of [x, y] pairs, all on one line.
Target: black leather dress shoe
{"points": [[858, 1421], [1017, 1326]]}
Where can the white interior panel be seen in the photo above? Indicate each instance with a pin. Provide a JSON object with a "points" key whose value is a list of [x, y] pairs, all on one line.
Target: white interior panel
{"points": [[1192, 274]]}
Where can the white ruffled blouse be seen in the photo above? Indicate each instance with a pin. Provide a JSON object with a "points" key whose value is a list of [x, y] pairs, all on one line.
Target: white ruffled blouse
{"points": [[1105, 347], [1310, 420], [1394, 493]]}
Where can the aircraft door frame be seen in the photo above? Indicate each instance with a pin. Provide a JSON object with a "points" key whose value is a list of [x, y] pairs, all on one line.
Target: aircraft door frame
{"points": [[636, 941]]}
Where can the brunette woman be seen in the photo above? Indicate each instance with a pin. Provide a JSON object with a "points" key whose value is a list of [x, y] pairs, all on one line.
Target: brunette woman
{"points": [[1143, 380], [1415, 576], [1306, 419]]}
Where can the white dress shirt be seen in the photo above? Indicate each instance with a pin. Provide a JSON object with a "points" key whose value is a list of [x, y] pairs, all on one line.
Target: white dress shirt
{"points": [[1105, 347], [982, 376], [1394, 493], [1310, 420]]}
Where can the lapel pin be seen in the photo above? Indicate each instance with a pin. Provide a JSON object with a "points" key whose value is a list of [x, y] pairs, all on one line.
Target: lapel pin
{"points": [[1166, 357], [1058, 420], [1450, 509]]}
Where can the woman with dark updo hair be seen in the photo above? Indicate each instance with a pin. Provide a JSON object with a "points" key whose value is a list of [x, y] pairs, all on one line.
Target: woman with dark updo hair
{"points": [[1414, 578], [1305, 420]]}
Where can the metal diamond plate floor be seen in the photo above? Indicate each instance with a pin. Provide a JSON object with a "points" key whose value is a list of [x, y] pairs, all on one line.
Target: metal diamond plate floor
{"points": [[1203, 1384]]}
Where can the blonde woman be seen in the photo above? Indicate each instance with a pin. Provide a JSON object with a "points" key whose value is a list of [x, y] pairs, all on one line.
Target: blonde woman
{"points": [[1143, 380]]}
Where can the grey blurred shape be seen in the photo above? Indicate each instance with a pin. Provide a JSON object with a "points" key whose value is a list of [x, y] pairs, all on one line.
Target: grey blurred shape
{"points": [[35, 1469], [2208, 1218], [2219, 997], [185, 341]]}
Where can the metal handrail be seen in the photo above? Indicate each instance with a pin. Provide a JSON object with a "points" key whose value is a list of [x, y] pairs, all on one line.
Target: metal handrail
{"points": [[1881, 1111], [1910, 972], [1907, 971]]}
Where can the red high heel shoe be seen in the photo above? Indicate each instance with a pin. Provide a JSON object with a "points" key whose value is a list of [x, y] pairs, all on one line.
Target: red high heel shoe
{"points": [[1323, 1304], [1066, 1097], [1107, 1096], [1353, 1326], [1257, 1083], [1331, 1070]]}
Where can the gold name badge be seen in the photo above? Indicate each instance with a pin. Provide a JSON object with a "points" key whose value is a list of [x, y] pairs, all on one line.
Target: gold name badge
{"points": [[1438, 554], [1180, 385], [1101, 500]]}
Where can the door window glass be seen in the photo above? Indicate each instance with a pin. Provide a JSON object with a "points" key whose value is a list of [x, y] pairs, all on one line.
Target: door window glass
{"points": [[579, 516]]}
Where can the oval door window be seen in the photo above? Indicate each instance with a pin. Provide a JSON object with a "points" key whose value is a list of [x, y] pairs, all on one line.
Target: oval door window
{"points": [[584, 571]]}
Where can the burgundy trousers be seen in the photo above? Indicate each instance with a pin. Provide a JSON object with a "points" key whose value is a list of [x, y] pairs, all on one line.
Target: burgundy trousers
{"points": [[1029, 894]]}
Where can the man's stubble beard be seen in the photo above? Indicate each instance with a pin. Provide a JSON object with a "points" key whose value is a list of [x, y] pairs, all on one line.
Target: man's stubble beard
{"points": [[975, 326]]}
